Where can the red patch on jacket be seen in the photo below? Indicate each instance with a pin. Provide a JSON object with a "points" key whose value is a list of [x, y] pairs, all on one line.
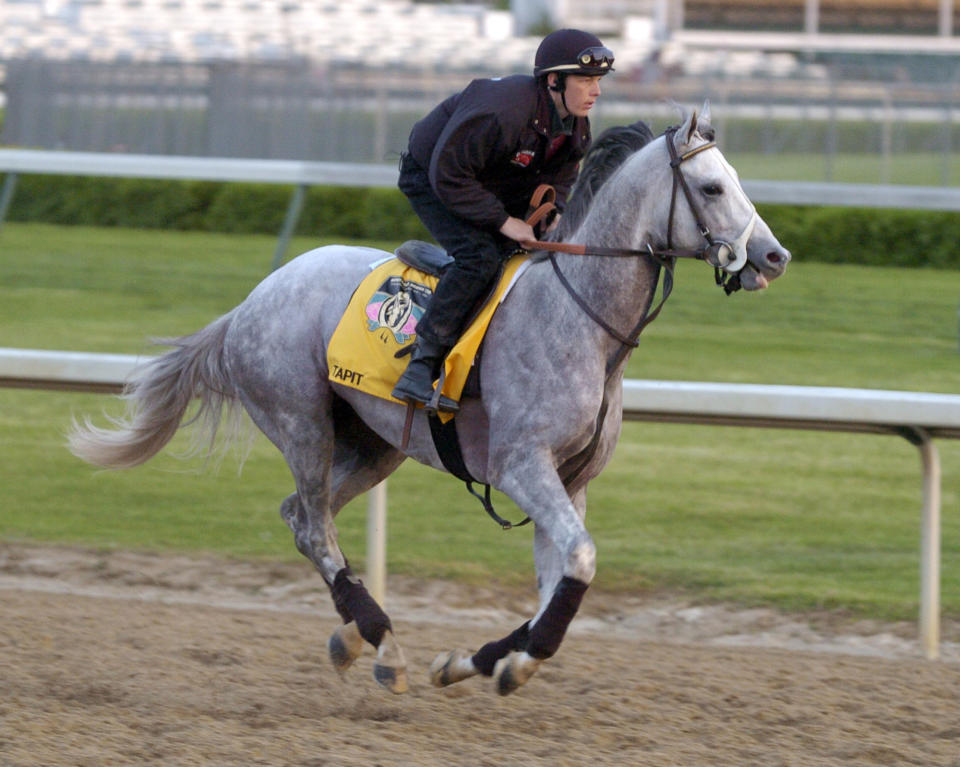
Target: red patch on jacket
{"points": [[523, 158]]}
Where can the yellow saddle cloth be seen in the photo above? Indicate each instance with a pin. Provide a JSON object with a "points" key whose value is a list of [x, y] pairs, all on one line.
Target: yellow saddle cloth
{"points": [[381, 319]]}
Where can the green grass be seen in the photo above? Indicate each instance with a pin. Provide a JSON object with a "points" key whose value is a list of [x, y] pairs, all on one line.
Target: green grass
{"points": [[795, 519]]}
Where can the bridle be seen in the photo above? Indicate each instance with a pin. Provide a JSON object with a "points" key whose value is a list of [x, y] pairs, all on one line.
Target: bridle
{"points": [[727, 258]]}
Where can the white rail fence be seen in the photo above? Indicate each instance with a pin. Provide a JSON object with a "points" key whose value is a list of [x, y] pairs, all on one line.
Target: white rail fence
{"points": [[301, 175], [918, 417]]}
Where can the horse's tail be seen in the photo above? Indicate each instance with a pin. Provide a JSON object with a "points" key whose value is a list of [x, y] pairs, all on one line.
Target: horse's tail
{"points": [[157, 399]]}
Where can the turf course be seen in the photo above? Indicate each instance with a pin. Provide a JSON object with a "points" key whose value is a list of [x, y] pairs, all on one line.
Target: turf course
{"points": [[795, 519]]}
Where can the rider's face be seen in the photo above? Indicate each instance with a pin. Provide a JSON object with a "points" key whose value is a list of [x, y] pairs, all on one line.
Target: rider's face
{"points": [[582, 92]]}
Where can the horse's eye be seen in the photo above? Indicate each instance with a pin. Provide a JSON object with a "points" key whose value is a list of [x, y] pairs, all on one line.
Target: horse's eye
{"points": [[712, 190]]}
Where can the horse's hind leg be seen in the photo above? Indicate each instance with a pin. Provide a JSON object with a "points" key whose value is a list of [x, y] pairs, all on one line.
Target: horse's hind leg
{"points": [[361, 460], [329, 468]]}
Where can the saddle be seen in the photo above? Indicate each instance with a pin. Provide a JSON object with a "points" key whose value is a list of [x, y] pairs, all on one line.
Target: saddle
{"points": [[424, 256]]}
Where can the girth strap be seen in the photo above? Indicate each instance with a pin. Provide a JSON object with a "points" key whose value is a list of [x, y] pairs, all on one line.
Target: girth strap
{"points": [[447, 442], [573, 467]]}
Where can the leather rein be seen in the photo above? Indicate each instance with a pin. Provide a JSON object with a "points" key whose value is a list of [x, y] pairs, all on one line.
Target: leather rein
{"points": [[716, 252]]}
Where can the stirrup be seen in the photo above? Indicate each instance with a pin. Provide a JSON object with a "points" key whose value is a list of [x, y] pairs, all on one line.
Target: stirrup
{"points": [[433, 402], [440, 403], [418, 386]]}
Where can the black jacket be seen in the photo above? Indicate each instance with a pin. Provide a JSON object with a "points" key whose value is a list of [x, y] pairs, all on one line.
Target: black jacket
{"points": [[485, 148]]}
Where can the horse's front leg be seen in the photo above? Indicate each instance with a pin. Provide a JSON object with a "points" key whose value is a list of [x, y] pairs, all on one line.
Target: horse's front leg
{"points": [[563, 576], [566, 562], [457, 665]]}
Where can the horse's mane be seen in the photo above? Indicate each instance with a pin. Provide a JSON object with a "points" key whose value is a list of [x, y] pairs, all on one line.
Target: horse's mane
{"points": [[606, 154]]}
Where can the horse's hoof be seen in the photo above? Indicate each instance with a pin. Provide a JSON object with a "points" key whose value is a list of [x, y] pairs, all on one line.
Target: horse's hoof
{"points": [[393, 679], [451, 667], [390, 668], [345, 646], [513, 671]]}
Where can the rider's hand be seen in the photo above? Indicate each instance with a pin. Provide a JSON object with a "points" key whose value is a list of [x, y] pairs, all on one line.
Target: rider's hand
{"points": [[519, 231]]}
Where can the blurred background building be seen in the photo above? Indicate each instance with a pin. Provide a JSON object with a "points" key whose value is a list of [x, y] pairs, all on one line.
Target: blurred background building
{"points": [[345, 79]]}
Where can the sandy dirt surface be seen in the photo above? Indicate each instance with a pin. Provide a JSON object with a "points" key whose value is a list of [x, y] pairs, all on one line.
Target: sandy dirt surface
{"points": [[115, 658]]}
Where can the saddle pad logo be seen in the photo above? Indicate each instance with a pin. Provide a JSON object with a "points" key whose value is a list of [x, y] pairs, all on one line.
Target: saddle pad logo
{"points": [[397, 307], [523, 158]]}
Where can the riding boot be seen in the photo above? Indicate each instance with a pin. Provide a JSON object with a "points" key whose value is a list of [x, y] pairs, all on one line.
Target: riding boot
{"points": [[416, 383]]}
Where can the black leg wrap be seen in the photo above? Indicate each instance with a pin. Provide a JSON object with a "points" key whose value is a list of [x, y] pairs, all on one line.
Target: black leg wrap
{"points": [[341, 608], [547, 633], [487, 656], [353, 602]]}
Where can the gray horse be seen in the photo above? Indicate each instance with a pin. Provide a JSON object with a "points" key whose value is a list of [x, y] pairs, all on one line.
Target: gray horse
{"points": [[550, 411]]}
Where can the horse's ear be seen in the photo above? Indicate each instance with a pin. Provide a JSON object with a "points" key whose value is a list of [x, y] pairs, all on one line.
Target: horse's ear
{"points": [[688, 128], [704, 127]]}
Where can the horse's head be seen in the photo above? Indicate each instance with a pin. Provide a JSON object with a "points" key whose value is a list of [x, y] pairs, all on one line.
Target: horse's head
{"points": [[709, 210]]}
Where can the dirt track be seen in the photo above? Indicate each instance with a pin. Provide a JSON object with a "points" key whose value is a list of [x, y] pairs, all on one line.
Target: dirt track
{"points": [[123, 659]]}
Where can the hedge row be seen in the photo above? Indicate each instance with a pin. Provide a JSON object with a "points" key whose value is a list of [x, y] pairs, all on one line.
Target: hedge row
{"points": [[879, 237], [354, 212], [851, 235]]}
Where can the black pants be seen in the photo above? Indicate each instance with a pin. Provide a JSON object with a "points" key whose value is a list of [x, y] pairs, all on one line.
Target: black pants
{"points": [[477, 255]]}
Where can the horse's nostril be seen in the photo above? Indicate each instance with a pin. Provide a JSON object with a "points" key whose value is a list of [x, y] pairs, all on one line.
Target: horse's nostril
{"points": [[773, 257]]}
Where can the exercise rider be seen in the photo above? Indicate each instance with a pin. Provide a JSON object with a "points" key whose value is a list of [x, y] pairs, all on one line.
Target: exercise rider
{"points": [[470, 169]]}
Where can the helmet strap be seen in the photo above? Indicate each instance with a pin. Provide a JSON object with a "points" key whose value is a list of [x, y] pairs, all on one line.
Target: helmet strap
{"points": [[561, 88]]}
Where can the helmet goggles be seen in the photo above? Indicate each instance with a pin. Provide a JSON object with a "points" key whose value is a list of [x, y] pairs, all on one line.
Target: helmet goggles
{"points": [[596, 57], [595, 60]]}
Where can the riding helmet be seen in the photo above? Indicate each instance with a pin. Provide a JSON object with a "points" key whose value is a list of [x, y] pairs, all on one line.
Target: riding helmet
{"points": [[574, 52]]}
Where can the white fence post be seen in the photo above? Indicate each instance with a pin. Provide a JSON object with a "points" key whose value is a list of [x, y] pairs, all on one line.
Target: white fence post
{"points": [[377, 542], [930, 549]]}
